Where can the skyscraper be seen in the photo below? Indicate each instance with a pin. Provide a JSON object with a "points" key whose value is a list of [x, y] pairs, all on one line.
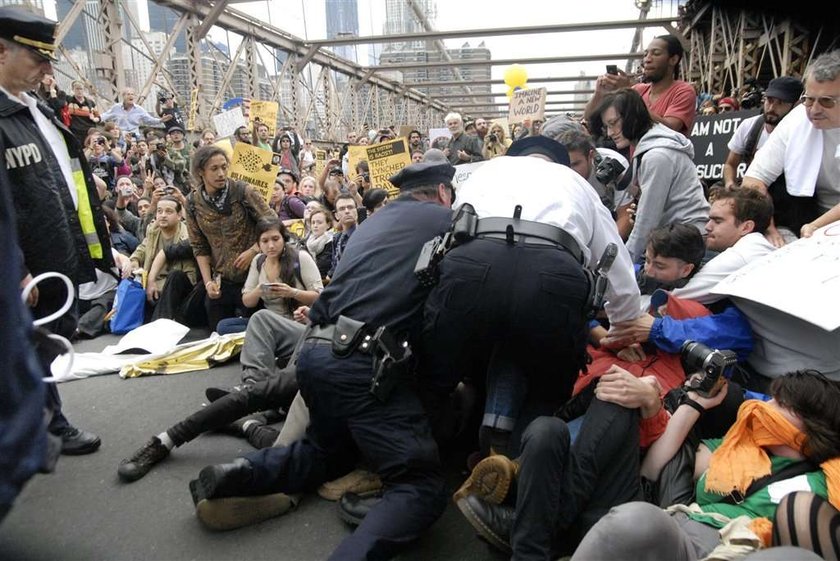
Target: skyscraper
{"points": [[343, 19]]}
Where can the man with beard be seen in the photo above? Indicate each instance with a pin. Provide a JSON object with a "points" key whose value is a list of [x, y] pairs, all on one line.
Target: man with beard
{"points": [[670, 101], [780, 97]]}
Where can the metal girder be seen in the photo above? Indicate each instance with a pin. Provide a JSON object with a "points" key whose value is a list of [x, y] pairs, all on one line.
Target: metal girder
{"points": [[509, 61], [65, 24], [211, 18], [194, 61], [243, 24], [491, 94], [494, 32], [114, 72], [505, 103], [251, 68], [531, 81]]}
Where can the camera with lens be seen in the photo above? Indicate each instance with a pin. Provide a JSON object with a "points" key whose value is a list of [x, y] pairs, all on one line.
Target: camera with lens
{"points": [[714, 366], [101, 141], [163, 97], [492, 137], [607, 170]]}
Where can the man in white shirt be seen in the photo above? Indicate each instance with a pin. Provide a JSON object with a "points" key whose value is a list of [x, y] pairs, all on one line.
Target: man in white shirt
{"points": [[805, 146], [130, 117]]}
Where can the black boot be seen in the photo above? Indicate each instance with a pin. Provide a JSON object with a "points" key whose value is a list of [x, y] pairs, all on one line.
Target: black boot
{"points": [[353, 507], [222, 480], [492, 522]]}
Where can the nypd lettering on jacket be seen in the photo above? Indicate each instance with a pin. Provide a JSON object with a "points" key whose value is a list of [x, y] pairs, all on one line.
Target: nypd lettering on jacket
{"points": [[21, 156]]}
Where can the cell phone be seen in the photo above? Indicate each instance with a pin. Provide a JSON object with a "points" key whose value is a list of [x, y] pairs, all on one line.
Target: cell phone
{"points": [[612, 69], [169, 190]]}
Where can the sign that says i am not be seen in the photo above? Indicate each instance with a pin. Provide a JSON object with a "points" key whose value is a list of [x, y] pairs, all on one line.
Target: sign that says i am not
{"points": [[527, 105]]}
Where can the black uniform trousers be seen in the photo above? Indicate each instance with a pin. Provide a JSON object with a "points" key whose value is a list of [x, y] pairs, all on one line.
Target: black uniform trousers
{"points": [[522, 307], [346, 420]]}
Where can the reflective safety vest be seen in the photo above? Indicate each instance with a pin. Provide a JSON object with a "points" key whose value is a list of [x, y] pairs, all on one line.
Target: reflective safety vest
{"points": [[84, 210]]}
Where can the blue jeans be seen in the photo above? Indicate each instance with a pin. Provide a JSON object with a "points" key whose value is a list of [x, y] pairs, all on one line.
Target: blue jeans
{"points": [[232, 325]]}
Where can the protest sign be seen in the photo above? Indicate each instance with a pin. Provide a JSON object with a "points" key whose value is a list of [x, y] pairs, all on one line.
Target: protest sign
{"points": [[527, 105], [253, 165], [405, 130], [264, 112], [463, 172], [812, 265], [226, 123], [226, 145], [384, 160], [295, 227], [355, 154], [320, 162], [710, 135]]}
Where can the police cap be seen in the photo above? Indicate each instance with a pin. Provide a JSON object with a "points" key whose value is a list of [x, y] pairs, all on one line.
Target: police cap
{"points": [[423, 173], [29, 29], [543, 145]]}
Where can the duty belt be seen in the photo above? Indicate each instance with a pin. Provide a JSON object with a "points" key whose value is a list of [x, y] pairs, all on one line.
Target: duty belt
{"points": [[515, 230]]}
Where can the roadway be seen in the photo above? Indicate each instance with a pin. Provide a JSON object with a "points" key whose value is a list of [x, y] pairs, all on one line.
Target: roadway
{"points": [[83, 511]]}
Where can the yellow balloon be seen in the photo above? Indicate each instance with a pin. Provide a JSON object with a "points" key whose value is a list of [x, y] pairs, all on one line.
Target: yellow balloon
{"points": [[515, 75]]}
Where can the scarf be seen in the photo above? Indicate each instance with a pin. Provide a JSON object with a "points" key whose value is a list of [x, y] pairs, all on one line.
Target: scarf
{"points": [[316, 245], [740, 460], [217, 201]]}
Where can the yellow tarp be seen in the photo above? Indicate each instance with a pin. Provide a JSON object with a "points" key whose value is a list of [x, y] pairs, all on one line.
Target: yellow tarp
{"points": [[188, 358]]}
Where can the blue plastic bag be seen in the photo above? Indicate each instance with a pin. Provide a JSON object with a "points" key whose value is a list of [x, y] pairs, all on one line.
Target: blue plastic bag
{"points": [[129, 306]]}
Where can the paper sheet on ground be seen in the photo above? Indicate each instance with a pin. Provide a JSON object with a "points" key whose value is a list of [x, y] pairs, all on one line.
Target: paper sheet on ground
{"points": [[801, 279]]}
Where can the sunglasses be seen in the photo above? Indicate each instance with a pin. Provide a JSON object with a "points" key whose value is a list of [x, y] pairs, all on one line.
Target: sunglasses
{"points": [[827, 101]]}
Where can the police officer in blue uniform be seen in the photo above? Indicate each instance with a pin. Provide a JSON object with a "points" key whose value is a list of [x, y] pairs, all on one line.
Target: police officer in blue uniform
{"points": [[354, 369]]}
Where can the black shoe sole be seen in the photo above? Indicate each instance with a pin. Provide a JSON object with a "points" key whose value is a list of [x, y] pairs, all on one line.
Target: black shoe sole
{"points": [[483, 530]]}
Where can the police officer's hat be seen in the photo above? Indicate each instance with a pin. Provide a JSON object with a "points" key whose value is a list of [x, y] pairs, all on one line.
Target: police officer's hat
{"points": [[30, 30], [548, 147], [423, 173]]}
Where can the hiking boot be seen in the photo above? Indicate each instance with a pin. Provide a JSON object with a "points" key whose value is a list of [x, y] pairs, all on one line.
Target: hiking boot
{"points": [[229, 513], [357, 481], [142, 461], [493, 523], [490, 480]]}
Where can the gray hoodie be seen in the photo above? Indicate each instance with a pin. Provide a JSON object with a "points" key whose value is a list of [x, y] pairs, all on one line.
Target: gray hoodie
{"points": [[671, 192]]}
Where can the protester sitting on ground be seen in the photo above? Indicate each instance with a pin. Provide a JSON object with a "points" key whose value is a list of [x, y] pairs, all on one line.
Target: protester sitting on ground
{"points": [[794, 436], [320, 239], [168, 281], [121, 240], [292, 205], [280, 277], [222, 216], [668, 188], [96, 299], [346, 217], [104, 160], [804, 146]]}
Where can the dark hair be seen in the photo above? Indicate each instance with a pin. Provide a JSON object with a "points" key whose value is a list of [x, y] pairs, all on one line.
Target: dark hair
{"points": [[416, 131], [816, 400], [747, 204], [344, 195], [201, 157], [680, 241], [290, 255], [373, 198], [268, 223], [635, 117], [172, 199], [362, 166], [675, 47]]}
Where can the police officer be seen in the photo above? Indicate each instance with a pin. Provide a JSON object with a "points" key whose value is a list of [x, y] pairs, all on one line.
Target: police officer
{"points": [[516, 295], [352, 369], [60, 224]]}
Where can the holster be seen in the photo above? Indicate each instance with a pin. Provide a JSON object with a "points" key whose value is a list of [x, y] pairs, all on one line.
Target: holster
{"points": [[347, 336]]}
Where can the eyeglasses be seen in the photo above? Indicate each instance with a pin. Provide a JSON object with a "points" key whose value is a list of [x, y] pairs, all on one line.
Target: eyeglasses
{"points": [[827, 101], [613, 125]]}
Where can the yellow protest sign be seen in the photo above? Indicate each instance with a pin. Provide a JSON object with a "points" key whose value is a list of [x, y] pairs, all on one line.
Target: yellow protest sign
{"points": [[295, 227], [226, 145], [527, 105], [264, 112], [253, 165], [320, 162], [355, 154], [384, 160]]}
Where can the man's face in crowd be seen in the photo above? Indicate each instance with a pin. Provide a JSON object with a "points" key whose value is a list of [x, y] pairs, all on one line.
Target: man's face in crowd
{"points": [[159, 183], [22, 68], [142, 148], [166, 215], [455, 126], [79, 91], [245, 135], [722, 230], [143, 207], [657, 64], [581, 163], [414, 139], [470, 130], [667, 270], [775, 109], [481, 127], [177, 136], [209, 138], [262, 132], [828, 92], [345, 212], [128, 96], [352, 137]]}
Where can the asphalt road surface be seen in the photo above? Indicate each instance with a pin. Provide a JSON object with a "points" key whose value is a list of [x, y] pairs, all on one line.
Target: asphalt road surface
{"points": [[83, 511]]}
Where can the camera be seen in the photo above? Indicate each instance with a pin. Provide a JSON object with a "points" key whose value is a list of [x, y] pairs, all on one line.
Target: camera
{"points": [[492, 137], [714, 365], [366, 176], [607, 170], [101, 141]]}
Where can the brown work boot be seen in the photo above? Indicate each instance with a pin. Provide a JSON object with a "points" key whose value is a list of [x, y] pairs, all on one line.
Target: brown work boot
{"points": [[357, 481], [490, 480]]}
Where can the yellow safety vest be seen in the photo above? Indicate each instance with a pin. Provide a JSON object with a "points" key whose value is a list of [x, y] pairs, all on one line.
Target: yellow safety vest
{"points": [[85, 211]]}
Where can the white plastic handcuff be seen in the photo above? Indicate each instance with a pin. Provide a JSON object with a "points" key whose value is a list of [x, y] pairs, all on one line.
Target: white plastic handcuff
{"points": [[71, 293]]}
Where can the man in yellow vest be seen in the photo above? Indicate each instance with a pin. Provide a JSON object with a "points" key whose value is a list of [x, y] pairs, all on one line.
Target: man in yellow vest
{"points": [[60, 223]]}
